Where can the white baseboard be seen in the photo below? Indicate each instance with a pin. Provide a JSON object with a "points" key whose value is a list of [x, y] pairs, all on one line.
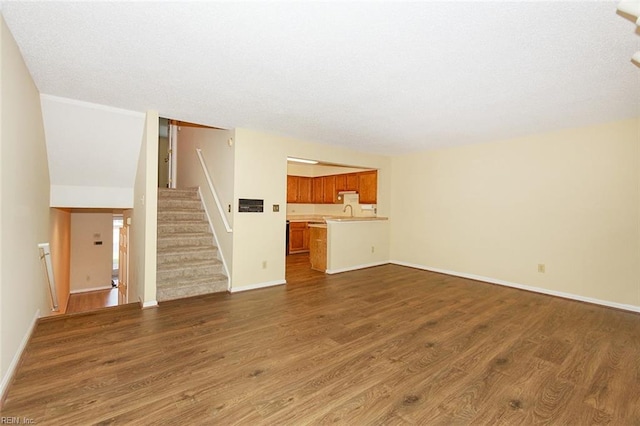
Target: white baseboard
{"points": [[356, 267], [564, 295], [149, 304], [86, 290], [257, 286], [8, 376]]}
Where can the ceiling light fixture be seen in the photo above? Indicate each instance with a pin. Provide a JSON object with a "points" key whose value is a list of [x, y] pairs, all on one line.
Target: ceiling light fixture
{"points": [[630, 7], [301, 160]]}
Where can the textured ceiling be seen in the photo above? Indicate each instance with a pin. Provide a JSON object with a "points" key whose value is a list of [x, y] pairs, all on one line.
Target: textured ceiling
{"points": [[386, 77]]}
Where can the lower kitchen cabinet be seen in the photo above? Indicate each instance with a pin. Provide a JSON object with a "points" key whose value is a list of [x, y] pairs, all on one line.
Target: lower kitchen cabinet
{"points": [[318, 248], [298, 237]]}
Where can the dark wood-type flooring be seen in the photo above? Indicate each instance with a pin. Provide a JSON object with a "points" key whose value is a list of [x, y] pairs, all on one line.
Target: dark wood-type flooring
{"points": [[92, 300], [385, 345]]}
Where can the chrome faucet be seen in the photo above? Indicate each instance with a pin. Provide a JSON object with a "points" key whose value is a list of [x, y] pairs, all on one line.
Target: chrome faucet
{"points": [[345, 209]]}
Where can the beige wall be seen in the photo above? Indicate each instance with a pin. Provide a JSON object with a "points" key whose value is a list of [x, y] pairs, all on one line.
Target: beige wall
{"points": [[144, 226], [24, 208], [219, 159], [569, 200], [91, 265], [60, 244], [261, 172], [354, 245]]}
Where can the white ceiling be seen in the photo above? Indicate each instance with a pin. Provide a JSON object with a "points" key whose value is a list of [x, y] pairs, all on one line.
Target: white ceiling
{"points": [[386, 77]]}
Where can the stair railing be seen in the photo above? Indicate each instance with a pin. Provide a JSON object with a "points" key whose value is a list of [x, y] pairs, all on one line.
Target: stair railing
{"points": [[212, 188]]}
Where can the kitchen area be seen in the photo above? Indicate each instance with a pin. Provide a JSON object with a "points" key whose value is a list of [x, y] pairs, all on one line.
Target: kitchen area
{"points": [[332, 221]]}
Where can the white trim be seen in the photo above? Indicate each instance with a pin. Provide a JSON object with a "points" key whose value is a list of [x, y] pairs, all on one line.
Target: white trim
{"points": [[85, 290], [215, 238], [150, 304], [8, 375], [92, 105], [571, 296], [257, 286], [353, 268]]}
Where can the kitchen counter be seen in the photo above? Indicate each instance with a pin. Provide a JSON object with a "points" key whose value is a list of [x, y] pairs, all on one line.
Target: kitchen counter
{"points": [[325, 218]]}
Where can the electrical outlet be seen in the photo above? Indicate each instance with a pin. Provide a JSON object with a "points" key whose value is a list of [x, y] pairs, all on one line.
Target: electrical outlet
{"points": [[373, 249], [541, 268], [276, 207], [229, 208], [264, 264]]}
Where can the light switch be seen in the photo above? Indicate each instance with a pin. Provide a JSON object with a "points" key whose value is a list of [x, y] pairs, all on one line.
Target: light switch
{"points": [[276, 207]]}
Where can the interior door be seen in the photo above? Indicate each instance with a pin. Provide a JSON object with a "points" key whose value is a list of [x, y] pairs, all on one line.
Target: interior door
{"points": [[123, 266]]}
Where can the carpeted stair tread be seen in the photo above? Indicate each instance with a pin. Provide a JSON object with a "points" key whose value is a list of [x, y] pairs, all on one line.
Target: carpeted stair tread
{"points": [[187, 258], [188, 264]]}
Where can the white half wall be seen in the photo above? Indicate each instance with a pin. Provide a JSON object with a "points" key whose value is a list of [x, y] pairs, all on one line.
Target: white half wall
{"points": [[92, 152], [357, 244]]}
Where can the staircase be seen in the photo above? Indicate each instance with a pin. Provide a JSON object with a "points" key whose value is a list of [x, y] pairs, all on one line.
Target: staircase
{"points": [[188, 263]]}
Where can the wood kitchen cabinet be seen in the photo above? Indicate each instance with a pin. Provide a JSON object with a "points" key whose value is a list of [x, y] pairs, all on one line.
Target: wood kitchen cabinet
{"points": [[305, 189], [318, 248], [299, 189], [324, 189], [352, 182], [329, 189], [318, 190], [292, 188], [298, 237], [368, 187]]}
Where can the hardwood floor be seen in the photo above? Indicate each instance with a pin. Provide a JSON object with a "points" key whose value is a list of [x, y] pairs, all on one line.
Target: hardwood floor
{"points": [[92, 300], [385, 345]]}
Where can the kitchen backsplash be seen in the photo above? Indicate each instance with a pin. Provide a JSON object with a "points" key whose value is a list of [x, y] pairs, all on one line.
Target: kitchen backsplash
{"points": [[330, 210]]}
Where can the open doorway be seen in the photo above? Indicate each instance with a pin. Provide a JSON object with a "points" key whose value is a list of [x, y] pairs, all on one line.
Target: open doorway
{"points": [[317, 191], [94, 259]]}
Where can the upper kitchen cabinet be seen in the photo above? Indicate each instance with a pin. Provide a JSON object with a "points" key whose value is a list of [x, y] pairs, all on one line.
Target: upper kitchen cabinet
{"points": [[299, 189], [368, 187], [305, 190], [292, 189], [317, 190], [324, 189], [330, 194]]}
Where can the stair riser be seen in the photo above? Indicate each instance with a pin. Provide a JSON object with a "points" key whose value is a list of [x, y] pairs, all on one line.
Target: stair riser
{"points": [[175, 216], [165, 229], [186, 274], [204, 254], [164, 294], [177, 194], [170, 203], [206, 241]]}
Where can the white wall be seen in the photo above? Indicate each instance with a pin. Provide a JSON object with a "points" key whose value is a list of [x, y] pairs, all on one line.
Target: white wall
{"points": [[261, 172], [60, 244], [92, 153], [219, 158], [24, 205], [144, 218], [91, 265], [359, 244], [569, 200]]}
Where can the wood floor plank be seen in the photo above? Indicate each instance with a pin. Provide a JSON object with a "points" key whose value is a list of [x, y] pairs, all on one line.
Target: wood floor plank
{"points": [[385, 345]]}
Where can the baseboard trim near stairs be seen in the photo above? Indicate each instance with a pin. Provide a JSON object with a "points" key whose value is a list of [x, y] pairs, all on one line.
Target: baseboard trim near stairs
{"points": [[148, 304], [257, 286], [15, 361]]}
